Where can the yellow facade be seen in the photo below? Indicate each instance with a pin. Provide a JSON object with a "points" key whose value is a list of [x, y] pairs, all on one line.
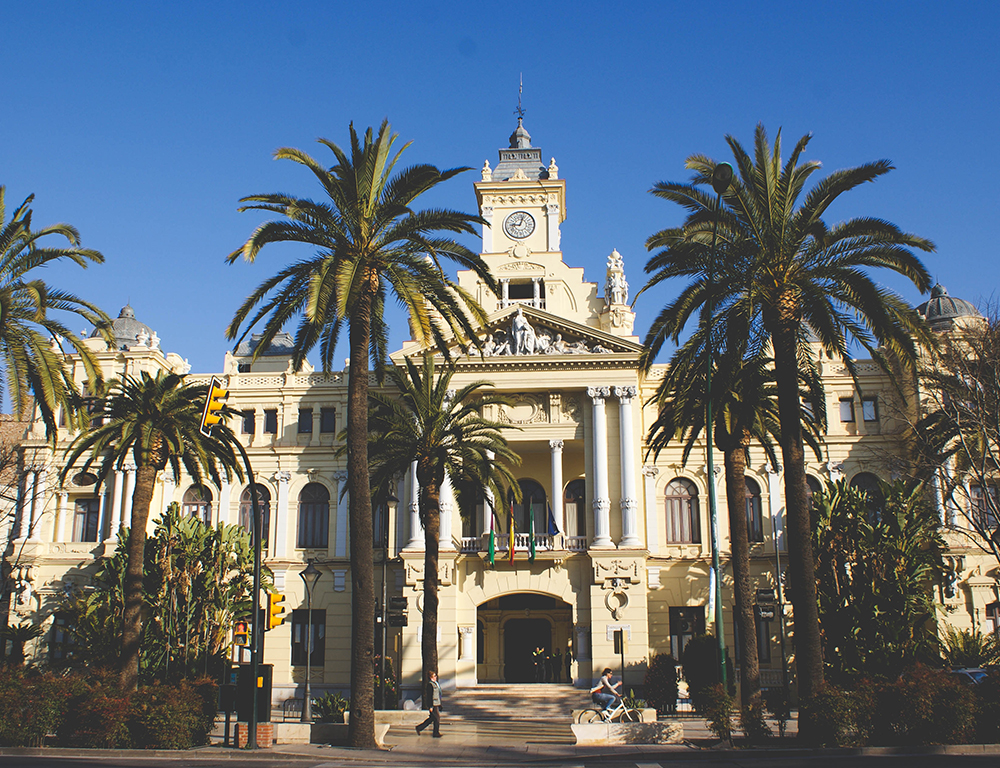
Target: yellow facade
{"points": [[631, 553]]}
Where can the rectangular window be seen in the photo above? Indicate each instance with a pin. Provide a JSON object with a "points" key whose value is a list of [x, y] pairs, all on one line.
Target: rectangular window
{"points": [[327, 420], [869, 409], [305, 421], [249, 422], [847, 409], [270, 422], [300, 637], [86, 519], [984, 507], [62, 642], [755, 521]]}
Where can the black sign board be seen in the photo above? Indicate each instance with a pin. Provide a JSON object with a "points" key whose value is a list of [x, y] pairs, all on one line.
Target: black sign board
{"points": [[397, 619], [397, 603], [766, 596]]}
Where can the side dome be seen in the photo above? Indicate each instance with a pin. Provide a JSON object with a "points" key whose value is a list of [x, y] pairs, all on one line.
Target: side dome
{"points": [[128, 331], [941, 310]]}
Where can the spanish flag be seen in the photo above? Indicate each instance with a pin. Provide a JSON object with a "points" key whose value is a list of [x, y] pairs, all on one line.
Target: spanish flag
{"points": [[510, 545]]}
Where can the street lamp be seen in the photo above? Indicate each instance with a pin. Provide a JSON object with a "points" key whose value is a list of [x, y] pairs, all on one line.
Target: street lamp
{"points": [[391, 503], [722, 177], [309, 577]]}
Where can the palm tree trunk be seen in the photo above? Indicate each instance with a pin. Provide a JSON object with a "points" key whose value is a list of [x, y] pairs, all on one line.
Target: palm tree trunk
{"points": [[736, 492], [802, 575], [432, 532], [361, 733], [142, 498]]}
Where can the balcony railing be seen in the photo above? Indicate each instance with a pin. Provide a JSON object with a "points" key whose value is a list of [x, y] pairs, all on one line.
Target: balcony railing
{"points": [[522, 543]]}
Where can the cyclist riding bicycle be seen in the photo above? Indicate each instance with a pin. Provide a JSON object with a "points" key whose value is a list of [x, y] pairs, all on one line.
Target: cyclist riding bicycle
{"points": [[605, 694]]}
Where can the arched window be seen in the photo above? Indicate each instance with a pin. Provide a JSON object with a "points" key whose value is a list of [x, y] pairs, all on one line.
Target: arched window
{"points": [[755, 520], [198, 503], [575, 508], [532, 500], [812, 487], [246, 510], [867, 482], [314, 517], [683, 519]]}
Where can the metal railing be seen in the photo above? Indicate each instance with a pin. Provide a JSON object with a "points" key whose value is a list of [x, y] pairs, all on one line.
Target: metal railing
{"points": [[544, 542]]}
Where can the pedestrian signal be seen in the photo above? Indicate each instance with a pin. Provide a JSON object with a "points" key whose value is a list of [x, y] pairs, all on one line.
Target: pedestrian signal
{"points": [[241, 633]]}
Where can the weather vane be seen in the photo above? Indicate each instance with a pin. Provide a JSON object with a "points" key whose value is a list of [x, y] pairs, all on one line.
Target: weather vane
{"points": [[520, 110]]}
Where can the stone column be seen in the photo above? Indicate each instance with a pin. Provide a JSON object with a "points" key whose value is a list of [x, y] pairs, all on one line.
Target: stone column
{"points": [[128, 486], [487, 214], [602, 502], [629, 501], [552, 214], [556, 454], [340, 546], [416, 529], [37, 505], [116, 502], [467, 649], [279, 535], [447, 506], [582, 646], [649, 474], [62, 514], [317, 422], [225, 503], [774, 496], [535, 293], [504, 292]]}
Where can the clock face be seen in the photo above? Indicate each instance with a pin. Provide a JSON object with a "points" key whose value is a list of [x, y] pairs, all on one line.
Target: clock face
{"points": [[519, 225]]}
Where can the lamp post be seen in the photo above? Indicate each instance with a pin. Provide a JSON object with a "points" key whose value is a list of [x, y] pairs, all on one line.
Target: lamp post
{"points": [[309, 577], [391, 503], [722, 177]]}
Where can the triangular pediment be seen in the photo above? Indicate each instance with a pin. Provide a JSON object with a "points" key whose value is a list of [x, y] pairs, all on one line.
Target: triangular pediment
{"points": [[521, 333]]}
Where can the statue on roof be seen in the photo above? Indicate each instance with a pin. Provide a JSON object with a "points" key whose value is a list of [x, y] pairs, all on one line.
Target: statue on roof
{"points": [[616, 286]]}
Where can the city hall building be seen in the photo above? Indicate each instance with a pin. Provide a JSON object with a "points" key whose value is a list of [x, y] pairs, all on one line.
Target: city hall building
{"points": [[622, 562]]}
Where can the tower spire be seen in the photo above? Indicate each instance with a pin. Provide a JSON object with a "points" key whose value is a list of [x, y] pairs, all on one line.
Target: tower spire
{"points": [[520, 110]]}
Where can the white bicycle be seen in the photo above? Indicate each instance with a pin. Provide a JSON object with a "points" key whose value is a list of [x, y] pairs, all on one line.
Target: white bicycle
{"points": [[617, 714]]}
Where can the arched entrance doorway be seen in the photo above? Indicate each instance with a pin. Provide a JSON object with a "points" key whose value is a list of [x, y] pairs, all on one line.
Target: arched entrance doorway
{"points": [[513, 627]]}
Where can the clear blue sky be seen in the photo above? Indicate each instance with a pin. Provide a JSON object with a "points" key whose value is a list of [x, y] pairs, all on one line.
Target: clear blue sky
{"points": [[142, 124]]}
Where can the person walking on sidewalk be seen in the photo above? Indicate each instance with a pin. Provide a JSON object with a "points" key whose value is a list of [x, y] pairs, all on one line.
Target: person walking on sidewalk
{"points": [[434, 707]]}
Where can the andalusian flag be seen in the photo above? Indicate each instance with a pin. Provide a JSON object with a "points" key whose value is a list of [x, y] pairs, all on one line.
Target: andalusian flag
{"points": [[493, 538], [510, 541], [531, 533]]}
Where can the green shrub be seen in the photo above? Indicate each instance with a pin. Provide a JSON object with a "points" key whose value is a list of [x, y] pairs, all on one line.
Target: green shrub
{"points": [[98, 719], [753, 724], [988, 708], [32, 705], [826, 720], [660, 683], [923, 706], [776, 702], [701, 666], [330, 708], [166, 717], [717, 707], [207, 691]]}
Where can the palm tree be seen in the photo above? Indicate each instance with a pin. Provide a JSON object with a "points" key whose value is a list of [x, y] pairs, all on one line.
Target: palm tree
{"points": [[30, 339], [445, 433], [786, 273], [745, 407], [155, 421], [369, 243]]}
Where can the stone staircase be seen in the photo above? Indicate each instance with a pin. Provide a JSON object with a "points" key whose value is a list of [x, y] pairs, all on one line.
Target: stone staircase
{"points": [[542, 702]]}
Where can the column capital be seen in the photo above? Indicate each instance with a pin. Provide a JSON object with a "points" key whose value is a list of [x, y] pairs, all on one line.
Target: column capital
{"points": [[625, 394], [62, 493], [650, 471], [130, 467], [598, 394], [556, 445], [282, 477], [340, 475]]}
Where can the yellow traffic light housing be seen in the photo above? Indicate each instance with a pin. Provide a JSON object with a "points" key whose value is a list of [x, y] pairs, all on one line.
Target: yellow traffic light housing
{"points": [[241, 633], [275, 609], [214, 404]]}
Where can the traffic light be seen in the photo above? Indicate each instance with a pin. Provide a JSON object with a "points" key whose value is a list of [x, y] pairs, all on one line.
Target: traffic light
{"points": [[241, 633], [214, 404], [275, 609]]}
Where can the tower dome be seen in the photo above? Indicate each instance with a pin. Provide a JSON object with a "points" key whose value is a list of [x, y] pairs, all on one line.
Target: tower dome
{"points": [[127, 330], [941, 310]]}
